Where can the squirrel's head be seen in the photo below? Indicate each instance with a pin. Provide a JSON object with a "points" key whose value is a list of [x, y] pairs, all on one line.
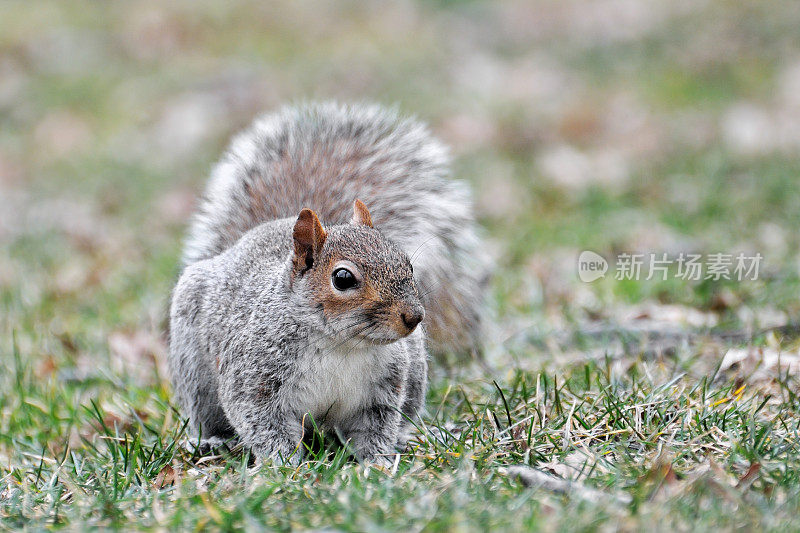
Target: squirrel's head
{"points": [[360, 283]]}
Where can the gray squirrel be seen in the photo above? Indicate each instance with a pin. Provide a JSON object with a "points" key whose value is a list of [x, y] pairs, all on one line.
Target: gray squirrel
{"points": [[279, 321]]}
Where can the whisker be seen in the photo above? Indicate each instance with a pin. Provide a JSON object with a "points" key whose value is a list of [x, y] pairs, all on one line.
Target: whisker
{"points": [[414, 255], [431, 289]]}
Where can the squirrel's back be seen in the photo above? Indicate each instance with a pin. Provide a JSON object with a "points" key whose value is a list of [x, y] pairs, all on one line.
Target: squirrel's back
{"points": [[324, 156]]}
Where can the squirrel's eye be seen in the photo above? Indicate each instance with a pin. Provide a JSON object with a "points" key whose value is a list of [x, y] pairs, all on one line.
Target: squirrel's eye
{"points": [[343, 279]]}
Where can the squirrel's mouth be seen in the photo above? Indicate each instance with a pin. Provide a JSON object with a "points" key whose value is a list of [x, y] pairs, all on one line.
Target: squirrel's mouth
{"points": [[374, 332], [382, 340], [380, 336]]}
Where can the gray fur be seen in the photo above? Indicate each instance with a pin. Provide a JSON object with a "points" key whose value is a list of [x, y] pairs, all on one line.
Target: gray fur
{"points": [[324, 156], [251, 353]]}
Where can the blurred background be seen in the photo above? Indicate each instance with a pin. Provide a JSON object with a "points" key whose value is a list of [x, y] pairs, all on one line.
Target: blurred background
{"points": [[609, 125]]}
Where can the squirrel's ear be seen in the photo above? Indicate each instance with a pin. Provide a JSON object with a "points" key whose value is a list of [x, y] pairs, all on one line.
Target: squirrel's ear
{"points": [[308, 239], [361, 214]]}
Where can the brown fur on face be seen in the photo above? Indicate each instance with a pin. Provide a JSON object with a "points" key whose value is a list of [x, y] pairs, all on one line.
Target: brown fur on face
{"points": [[335, 303], [386, 287]]}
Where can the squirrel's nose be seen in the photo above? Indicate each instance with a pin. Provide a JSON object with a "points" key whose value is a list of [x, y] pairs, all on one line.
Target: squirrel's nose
{"points": [[412, 318]]}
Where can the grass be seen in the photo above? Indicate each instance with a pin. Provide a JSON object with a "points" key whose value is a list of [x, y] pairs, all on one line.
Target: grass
{"points": [[688, 451], [665, 404]]}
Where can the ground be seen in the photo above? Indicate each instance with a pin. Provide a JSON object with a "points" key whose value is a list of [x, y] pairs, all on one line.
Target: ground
{"points": [[613, 126]]}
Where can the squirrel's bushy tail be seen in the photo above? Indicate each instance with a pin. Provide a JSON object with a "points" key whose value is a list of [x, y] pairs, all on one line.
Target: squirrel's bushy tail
{"points": [[324, 156]]}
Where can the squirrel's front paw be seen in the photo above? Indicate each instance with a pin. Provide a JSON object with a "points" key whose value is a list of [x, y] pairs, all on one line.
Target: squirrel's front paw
{"points": [[385, 462], [210, 445], [290, 458]]}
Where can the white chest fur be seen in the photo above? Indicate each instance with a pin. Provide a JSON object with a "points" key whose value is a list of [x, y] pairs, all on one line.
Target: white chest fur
{"points": [[339, 383]]}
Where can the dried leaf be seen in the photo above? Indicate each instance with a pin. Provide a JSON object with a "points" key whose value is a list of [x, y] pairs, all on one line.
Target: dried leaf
{"points": [[750, 476], [165, 477]]}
